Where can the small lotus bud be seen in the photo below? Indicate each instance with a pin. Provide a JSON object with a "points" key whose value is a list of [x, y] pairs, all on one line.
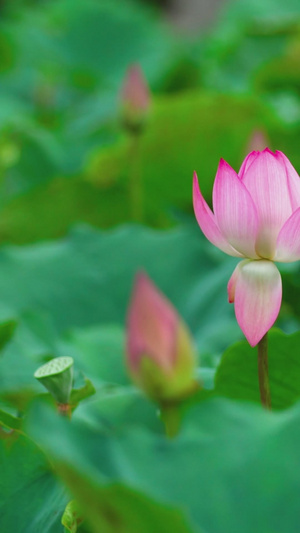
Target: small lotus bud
{"points": [[257, 142], [135, 99], [57, 378], [160, 354]]}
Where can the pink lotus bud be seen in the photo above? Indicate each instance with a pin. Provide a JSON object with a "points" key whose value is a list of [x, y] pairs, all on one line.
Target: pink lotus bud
{"points": [[257, 141], [256, 216], [135, 99], [160, 355]]}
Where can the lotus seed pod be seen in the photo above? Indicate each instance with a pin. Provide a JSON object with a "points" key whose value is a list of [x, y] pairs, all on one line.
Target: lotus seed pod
{"points": [[57, 378]]}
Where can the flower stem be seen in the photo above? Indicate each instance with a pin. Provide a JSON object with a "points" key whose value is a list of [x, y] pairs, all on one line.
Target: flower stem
{"points": [[135, 178], [263, 374], [169, 414], [64, 409]]}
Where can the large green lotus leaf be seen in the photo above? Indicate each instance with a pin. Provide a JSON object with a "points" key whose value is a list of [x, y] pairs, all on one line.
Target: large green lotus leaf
{"points": [[237, 378], [119, 407], [215, 126], [291, 289], [272, 13], [70, 49], [34, 342], [49, 211], [119, 509], [281, 74], [86, 279], [246, 36], [62, 87], [99, 352], [235, 465], [29, 156], [6, 332], [279, 80], [31, 500], [127, 30]]}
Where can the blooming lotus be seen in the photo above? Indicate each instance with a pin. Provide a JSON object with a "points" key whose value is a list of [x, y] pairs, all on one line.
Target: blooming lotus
{"points": [[160, 355], [256, 216]]}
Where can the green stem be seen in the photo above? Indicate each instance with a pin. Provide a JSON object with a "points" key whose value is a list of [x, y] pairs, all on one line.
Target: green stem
{"points": [[263, 374], [64, 409], [135, 178], [170, 416]]}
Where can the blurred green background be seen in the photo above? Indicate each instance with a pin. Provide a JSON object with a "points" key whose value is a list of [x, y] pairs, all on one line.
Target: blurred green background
{"points": [[224, 79], [217, 86]]}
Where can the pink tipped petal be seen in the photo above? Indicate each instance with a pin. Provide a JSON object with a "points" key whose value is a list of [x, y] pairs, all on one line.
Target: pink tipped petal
{"points": [[266, 181], [247, 162], [293, 180], [288, 242], [232, 282], [257, 300], [207, 222], [235, 211], [151, 325]]}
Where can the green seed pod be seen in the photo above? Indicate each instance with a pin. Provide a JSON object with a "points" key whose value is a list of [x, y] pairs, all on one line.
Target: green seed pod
{"points": [[57, 378]]}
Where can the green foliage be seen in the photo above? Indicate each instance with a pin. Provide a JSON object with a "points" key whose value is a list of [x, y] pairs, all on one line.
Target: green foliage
{"points": [[28, 485], [6, 332], [77, 281], [213, 124], [72, 517], [116, 508], [224, 449], [65, 160], [236, 376], [9, 421], [63, 157]]}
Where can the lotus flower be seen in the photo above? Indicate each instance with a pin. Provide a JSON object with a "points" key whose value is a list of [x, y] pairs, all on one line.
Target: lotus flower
{"points": [[257, 217], [160, 355], [135, 98]]}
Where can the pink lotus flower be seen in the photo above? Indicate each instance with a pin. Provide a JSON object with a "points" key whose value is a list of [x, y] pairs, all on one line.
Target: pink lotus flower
{"points": [[160, 355], [135, 97], [256, 216]]}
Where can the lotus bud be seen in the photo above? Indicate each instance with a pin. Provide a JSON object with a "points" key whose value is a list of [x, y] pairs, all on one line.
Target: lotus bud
{"points": [[135, 100], [258, 141], [57, 378], [160, 353]]}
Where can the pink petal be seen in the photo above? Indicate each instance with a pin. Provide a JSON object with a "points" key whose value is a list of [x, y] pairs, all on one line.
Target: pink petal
{"points": [[288, 242], [235, 211], [293, 180], [247, 162], [257, 298], [207, 222], [151, 325], [266, 181], [232, 282]]}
